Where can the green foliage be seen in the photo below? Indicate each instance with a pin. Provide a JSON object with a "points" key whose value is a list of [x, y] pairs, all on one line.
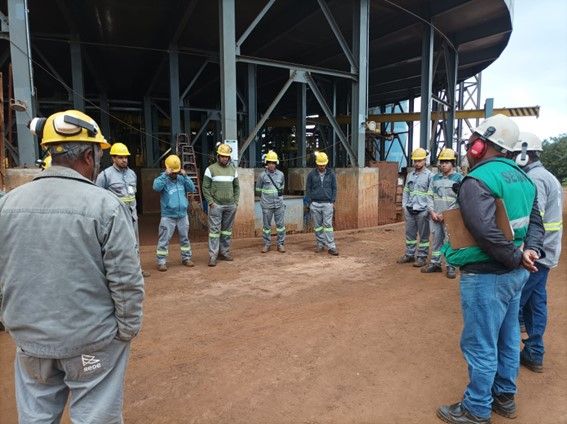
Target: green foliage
{"points": [[554, 156]]}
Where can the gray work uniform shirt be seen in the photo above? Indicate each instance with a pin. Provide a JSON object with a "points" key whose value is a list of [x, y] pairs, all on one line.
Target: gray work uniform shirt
{"points": [[267, 191], [70, 275], [550, 204], [417, 195], [123, 183]]}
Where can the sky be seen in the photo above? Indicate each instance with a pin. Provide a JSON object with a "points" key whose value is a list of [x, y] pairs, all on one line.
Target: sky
{"points": [[532, 70]]}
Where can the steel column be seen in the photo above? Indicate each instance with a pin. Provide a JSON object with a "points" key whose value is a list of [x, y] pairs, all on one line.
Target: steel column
{"points": [[452, 66], [359, 97], [426, 85], [149, 131], [174, 105], [300, 129], [104, 115], [77, 73], [333, 134], [20, 53], [228, 69], [252, 116]]}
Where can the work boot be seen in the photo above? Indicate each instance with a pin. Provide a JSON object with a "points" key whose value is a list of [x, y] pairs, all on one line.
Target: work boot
{"points": [[146, 274], [406, 259], [333, 252], [431, 268], [419, 262], [162, 267], [226, 257], [451, 272], [188, 262], [212, 261], [504, 404], [281, 248], [457, 414], [318, 249], [265, 249], [529, 363]]}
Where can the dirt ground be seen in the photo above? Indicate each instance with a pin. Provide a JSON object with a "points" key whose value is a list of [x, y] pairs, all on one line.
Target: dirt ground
{"points": [[305, 338]]}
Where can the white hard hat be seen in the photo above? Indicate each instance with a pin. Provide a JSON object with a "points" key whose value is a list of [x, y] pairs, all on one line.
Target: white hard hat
{"points": [[500, 130], [533, 142]]}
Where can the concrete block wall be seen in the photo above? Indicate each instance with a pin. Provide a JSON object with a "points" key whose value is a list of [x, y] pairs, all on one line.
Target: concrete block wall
{"points": [[357, 198]]}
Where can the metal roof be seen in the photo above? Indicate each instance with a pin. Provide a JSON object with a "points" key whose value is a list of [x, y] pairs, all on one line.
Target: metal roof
{"points": [[125, 43]]}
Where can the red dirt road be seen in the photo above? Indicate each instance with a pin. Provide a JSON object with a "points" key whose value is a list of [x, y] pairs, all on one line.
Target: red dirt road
{"points": [[309, 338]]}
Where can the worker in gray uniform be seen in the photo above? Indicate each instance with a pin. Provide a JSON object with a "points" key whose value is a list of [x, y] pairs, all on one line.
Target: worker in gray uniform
{"points": [[321, 192], [122, 181], [71, 280], [270, 187], [533, 303], [444, 189], [416, 204]]}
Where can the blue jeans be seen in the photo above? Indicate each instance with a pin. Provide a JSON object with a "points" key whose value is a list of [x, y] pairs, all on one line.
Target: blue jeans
{"points": [[533, 305], [490, 341]]}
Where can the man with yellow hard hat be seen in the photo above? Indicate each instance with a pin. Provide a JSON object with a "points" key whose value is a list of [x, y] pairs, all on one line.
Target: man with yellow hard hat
{"points": [[416, 204], [122, 181], [221, 189], [71, 280], [321, 192], [173, 186], [270, 186]]}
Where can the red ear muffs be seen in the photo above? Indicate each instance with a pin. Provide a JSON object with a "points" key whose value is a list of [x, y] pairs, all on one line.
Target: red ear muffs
{"points": [[477, 148]]}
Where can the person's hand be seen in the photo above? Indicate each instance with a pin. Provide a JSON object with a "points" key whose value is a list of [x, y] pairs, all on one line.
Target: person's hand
{"points": [[211, 205], [434, 216], [167, 171], [528, 260], [182, 172], [440, 217]]}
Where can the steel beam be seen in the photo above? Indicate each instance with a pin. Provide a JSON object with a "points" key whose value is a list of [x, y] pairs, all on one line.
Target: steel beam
{"points": [[452, 69], [426, 85], [253, 24], [228, 69], [321, 99], [338, 34], [359, 97], [20, 52], [252, 116], [40, 54], [202, 129], [192, 82], [149, 130], [333, 134], [104, 115], [77, 74], [174, 103], [300, 129], [267, 113], [296, 67]]}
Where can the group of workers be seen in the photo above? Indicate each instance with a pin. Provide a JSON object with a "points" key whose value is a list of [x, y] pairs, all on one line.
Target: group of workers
{"points": [[73, 329]]}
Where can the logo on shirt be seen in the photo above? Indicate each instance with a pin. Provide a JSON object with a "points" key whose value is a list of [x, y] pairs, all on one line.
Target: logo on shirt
{"points": [[90, 362]]}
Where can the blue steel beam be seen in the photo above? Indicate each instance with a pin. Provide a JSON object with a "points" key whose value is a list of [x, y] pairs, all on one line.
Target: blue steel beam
{"points": [[174, 103], [252, 108], [426, 86], [77, 75], [300, 127]]}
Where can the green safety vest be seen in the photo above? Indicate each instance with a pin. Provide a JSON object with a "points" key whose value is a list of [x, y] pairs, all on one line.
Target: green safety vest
{"points": [[508, 182]]}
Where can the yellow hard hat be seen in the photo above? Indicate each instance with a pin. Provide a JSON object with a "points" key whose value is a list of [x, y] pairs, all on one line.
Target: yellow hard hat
{"points": [[271, 156], [321, 158], [419, 154], [173, 163], [119, 149], [447, 154], [224, 149], [67, 127]]}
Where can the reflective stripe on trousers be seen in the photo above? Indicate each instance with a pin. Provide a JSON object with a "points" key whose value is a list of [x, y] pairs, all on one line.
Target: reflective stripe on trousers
{"points": [[278, 214], [417, 224], [438, 238], [322, 214], [166, 229], [221, 219]]}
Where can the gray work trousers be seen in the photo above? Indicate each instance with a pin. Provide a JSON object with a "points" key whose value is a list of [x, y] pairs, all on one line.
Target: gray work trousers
{"points": [[278, 215], [438, 239], [417, 224], [322, 214], [167, 227], [93, 382], [221, 219]]}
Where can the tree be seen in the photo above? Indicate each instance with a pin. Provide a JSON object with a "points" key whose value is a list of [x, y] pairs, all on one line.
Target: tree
{"points": [[554, 156]]}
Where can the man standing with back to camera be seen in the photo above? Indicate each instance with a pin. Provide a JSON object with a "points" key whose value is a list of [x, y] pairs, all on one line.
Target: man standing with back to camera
{"points": [[493, 272], [71, 281]]}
